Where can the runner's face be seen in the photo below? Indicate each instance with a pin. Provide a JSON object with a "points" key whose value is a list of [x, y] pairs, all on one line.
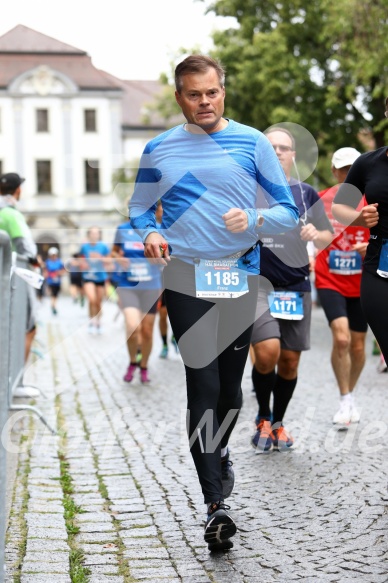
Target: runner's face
{"points": [[282, 145], [94, 235], [202, 100]]}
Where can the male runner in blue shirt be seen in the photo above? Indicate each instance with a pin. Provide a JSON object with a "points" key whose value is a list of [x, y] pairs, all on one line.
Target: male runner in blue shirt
{"points": [[208, 173]]}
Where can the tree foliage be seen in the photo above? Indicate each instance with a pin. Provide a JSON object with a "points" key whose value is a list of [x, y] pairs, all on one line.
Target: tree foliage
{"points": [[320, 63]]}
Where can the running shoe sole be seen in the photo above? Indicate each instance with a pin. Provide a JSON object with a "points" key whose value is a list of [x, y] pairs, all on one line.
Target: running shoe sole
{"points": [[262, 451], [225, 545], [219, 528], [341, 426], [283, 447]]}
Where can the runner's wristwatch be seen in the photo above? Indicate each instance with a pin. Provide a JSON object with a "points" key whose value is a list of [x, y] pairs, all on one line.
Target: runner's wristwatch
{"points": [[260, 219]]}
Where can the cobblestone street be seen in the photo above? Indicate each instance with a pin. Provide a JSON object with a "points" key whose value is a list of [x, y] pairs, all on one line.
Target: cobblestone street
{"points": [[115, 498]]}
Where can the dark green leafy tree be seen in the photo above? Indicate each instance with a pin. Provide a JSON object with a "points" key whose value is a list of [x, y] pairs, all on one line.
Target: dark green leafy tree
{"points": [[320, 63]]}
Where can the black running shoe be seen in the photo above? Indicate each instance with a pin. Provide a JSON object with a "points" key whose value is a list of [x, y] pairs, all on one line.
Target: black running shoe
{"points": [[219, 527], [227, 475], [225, 545]]}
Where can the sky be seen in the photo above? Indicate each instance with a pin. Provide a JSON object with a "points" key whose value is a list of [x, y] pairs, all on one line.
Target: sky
{"points": [[129, 39]]}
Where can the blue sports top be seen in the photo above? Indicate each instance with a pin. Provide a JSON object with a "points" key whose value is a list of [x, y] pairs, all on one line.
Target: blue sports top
{"points": [[96, 269], [53, 266], [140, 273], [199, 177], [284, 257]]}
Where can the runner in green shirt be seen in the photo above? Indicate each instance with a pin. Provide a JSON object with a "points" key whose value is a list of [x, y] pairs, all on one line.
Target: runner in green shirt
{"points": [[14, 223]]}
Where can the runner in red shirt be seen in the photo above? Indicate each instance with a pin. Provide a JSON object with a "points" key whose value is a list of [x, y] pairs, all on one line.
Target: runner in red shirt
{"points": [[337, 279]]}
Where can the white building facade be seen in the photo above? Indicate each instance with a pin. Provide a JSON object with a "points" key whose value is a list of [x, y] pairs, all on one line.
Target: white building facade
{"points": [[67, 127]]}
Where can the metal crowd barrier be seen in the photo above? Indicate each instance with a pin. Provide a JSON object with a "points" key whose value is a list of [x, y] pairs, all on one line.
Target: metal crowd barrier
{"points": [[13, 319], [20, 290], [5, 269]]}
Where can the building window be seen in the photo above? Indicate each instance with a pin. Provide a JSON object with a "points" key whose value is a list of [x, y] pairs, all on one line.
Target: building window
{"points": [[90, 120], [43, 176], [92, 176], [42, 120]]}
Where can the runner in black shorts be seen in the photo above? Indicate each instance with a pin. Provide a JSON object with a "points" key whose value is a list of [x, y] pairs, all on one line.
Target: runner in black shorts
{"points": [[338, 280], [76, 279], [94, 253], [53, 271]]}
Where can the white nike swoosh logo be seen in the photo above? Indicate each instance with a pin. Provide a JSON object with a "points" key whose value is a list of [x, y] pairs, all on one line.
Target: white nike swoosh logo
{"points": [[240, 347]]}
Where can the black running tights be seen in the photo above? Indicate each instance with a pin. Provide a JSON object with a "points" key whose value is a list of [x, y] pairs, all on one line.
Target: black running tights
{"points": [[213, 338]]}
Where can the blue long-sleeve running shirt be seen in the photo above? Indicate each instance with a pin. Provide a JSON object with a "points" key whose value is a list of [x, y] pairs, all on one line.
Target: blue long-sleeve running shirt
{"points": [[199, 177]]}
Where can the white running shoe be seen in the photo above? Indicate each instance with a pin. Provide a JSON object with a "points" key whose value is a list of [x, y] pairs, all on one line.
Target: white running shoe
{"points": [[343, 415], [354, 414]]}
